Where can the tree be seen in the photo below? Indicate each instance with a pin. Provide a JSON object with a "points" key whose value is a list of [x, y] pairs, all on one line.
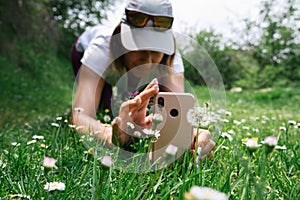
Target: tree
{"points": [[46, 24], [274, 43], [76, 15], [213, 51], [73, 16]]}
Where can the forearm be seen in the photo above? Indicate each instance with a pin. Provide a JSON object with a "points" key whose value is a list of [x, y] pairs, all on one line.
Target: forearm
{"points": [[88, 125]]}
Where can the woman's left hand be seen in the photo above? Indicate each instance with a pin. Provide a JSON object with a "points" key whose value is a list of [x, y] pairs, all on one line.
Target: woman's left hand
{"points": [[205, 142]]}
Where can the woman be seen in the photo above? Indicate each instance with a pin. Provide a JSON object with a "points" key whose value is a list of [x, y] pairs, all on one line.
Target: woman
{"points": [[142, 42]]}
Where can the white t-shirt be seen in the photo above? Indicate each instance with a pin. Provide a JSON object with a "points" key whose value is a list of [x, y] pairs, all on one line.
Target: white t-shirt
{"points": [[94, 42]]}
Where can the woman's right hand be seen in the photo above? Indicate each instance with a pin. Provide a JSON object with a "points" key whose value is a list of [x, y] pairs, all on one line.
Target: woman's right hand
{"points": [[134, 111]]}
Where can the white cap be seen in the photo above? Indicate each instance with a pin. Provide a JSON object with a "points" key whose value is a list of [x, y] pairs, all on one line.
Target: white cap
{"points": [[148, 38]]}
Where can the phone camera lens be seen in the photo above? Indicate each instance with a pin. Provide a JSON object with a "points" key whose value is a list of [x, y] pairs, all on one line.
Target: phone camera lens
{"points": [[161, 102], [174, 112]]}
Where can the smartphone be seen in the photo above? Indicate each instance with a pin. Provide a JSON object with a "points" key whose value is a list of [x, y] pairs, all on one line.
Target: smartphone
{"points": [[175, 128]]}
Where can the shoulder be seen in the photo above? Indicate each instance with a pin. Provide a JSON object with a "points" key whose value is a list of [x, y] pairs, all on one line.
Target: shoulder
{"points": [[97, 53], [98, 34]]}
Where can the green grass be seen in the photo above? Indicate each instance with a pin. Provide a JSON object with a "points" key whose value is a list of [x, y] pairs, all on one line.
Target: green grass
{"points": [[231, 170], [31, 94]]}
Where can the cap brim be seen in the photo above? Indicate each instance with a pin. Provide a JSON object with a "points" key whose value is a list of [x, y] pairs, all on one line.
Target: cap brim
{"points": [[147, 38]]}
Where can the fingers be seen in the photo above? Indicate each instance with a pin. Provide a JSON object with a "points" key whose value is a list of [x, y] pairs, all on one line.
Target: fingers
{"points": [[143, 98], [152, 83], [148, 93], [205, 143], [135, 109], [207, 149], [151, 90], [148, 121], [127, 106], [203, 138]]}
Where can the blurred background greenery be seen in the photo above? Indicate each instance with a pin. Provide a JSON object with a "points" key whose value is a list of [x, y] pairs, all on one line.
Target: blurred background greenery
{"points": [[37, 35]]}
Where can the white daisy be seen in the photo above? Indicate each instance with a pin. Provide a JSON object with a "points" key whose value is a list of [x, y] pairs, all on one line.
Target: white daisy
{"points": [[228, 136], [58, 118], [106, 118], [204, 193], [38, 137], [252, 145], [15, 144], [137, 134], [152, 133], [44, 146], [281, 147], [156, 118], [31, 142], [72, 126], [292, 122], [282, 128], [55, 186], [55, 124]]}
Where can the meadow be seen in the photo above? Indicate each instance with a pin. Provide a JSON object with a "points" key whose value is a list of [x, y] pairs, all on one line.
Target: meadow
{"points": [[42, 157], [234, 169]]}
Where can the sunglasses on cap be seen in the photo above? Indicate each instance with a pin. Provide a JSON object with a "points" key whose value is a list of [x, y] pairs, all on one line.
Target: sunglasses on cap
{"points": [[139, 20]]}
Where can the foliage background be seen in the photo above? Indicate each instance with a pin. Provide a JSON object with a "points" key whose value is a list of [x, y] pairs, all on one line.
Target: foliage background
{"points": [[265, 54], [36, 39]]}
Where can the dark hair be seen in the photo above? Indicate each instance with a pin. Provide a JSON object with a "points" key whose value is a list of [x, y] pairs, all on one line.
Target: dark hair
{"points": [[117, 52]]}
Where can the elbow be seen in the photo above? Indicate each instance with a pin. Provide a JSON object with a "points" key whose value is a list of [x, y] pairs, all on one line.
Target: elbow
{"points": [[77, 113], [72, 118]]}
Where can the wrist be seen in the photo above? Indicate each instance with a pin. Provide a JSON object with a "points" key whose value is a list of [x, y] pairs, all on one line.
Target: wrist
{"points": [[119, 137], [104, 133], [115, 132]]}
